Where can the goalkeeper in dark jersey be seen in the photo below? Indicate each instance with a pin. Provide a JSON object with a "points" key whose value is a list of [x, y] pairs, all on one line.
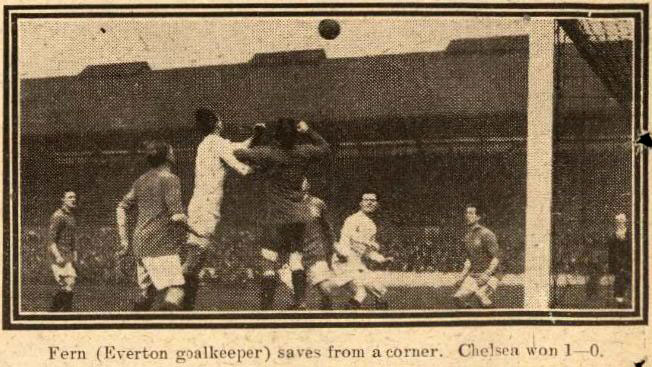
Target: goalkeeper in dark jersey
{"points": [[286, 162]]}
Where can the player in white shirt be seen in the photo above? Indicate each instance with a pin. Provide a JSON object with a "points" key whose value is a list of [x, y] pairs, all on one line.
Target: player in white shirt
{"points": [[358, 242], [214, 153]]}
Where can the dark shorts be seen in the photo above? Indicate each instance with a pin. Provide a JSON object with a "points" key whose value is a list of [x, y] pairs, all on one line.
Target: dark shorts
{"points": [[284, 238]]}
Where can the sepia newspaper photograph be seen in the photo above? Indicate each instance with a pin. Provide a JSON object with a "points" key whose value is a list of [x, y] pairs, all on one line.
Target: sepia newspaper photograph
{"points": [[392, 183]]}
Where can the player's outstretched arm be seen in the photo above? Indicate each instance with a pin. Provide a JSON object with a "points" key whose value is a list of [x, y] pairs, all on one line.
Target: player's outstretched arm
{"points": [[377, 257], [259, 128], [121, 221], [227, 156], [121, 215]]}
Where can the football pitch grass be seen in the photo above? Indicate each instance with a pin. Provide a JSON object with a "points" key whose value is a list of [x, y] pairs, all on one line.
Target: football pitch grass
{"points": [[112, 297]]}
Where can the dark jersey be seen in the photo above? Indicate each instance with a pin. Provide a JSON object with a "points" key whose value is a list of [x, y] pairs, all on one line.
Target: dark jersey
{"points": [[62, 232], [318, 235], [285, 171], [620, 253], [481, 247], [157, 197]]}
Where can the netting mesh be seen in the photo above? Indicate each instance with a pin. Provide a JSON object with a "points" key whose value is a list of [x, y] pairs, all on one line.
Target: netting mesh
{"points": [[591, 155], [606, 46]]}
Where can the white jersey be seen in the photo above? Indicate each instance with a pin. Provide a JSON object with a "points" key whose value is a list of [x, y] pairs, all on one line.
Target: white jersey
{"points": [[212, 155], [358, 235], [357, 240], [204, 207]]}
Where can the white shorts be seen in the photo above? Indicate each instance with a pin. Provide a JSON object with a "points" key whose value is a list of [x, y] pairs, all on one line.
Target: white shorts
{"points": [[65, 275], [162, 272], [319, 272], [203, 217], [470, 286], [354, 270]]}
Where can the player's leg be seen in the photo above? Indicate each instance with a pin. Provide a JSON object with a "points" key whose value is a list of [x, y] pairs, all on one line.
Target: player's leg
{"points": [[57, 298], [486, 292], [292, 236], [345, 274], [295, 263], [194, 257], [167, 275], [319, 276], [203, 221], [69, 281], [377, 289], [269, 278], [147, 296], [619, 287], [65, 277], [464, 294], [359, 293], [57, 301]]}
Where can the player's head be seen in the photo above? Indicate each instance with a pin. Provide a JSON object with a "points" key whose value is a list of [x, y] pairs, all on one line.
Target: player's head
{"points": [[621, 218], [285, 132], [472, 214], [207, 121], [69, 199], [621, 221], [158, 153], [369, 202]]}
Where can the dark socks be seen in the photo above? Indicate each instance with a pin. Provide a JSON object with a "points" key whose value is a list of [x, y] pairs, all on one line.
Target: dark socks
{"points": [[381, 304], [268, 286], [168, 306], [299, 284], [195, 257], [145, 303], [190, 288], [57, 302], [354, 304], [61, 301], [325, 302], [67, 301]]}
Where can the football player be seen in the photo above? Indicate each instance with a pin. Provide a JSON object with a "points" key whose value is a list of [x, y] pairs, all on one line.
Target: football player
{"points": [[159, 229], [214, 153], [481, 273], [318, 248], [358, 242], [286, 162], [61, 248]]}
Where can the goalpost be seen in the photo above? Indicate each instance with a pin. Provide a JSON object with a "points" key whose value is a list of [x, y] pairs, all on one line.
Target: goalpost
{"points": [[540, 112], [559, 91]]}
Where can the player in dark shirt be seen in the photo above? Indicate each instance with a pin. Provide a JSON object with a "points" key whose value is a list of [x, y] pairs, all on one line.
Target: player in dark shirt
{"points": [[286, 163], [62, 251], [620, 258], [319, 238], [481, 274], [159, 229]]}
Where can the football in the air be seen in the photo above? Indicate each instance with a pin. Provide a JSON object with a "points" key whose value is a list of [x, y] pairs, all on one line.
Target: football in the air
{"points": [[329, 29]]}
